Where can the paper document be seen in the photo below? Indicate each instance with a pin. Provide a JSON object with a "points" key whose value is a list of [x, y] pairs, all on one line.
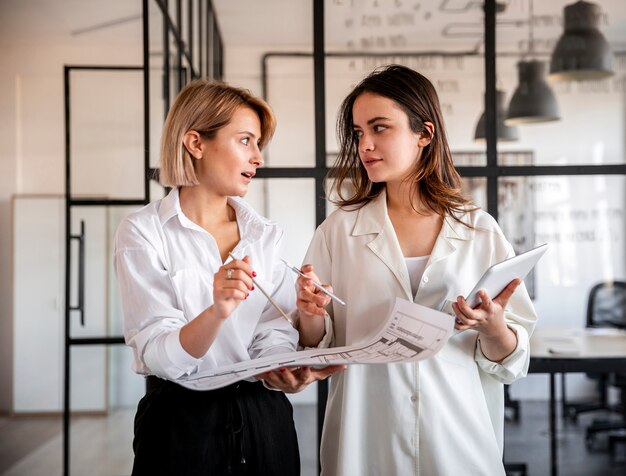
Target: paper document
{"points": [[411, 332]]}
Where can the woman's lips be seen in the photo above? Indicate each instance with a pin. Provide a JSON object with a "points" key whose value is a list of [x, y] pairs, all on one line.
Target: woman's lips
{"points": [[368, 162]]}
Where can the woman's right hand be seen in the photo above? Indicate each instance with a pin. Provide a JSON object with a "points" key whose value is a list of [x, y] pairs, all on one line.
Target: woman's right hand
{"points": [[231, 285], [311, 301], [311, 304]]}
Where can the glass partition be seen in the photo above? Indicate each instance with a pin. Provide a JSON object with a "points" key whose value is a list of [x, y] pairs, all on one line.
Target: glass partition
{"points": [[590, 120], [270, 197], [583, 220], [107, 134], [289, 91]]}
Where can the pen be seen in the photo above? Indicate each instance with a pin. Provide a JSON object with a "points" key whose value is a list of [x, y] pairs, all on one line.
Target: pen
{"points": [[274, 303], [317, 285]]}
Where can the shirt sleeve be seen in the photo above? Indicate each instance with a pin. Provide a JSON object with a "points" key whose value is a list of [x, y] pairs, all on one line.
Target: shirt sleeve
{"points": [[152, 317], [327, 338], [273, 333], [318, 255]]}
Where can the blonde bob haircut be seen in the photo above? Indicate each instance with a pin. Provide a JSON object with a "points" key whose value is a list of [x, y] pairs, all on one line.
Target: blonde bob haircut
{"points": [[205, 107]]}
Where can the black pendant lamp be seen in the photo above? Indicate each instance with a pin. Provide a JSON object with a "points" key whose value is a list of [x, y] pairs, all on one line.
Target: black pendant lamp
{"points": [[582, 52], [533, 100], [504, 133]]}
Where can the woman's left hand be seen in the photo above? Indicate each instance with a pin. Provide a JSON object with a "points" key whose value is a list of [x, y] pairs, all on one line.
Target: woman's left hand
{"points": [[488, 317], [296, 379]]}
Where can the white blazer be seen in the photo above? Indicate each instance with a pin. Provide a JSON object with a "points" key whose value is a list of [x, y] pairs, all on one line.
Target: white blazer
{"points": [[442, 416]]}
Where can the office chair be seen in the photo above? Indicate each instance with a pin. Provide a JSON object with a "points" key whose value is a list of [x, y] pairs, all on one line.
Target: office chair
{"points": [[606, 307]]}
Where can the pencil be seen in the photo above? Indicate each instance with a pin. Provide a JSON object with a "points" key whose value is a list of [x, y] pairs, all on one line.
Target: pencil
{"points": [[269, 298], [317, 285]]}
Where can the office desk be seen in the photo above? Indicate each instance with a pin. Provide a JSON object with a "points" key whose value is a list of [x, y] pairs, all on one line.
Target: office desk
{"points": [[564, 350]]}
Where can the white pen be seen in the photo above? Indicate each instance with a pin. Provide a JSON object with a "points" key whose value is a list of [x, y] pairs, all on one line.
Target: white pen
{"points": [[272, 302], [317, 285]]}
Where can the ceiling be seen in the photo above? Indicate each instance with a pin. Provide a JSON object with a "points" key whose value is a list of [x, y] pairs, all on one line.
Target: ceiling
{"points": [[355, 25]]}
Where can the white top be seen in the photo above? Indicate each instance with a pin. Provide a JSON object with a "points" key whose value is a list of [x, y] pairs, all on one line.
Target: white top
{"points": [[416, 265], [165, 265], [442, 416]]}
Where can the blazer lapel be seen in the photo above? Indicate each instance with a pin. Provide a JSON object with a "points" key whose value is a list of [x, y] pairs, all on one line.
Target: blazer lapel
{"points": [[451, 231], [373, 219]]}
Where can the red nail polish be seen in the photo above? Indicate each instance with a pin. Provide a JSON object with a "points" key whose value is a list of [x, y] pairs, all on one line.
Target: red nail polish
{"points": [[252, 288], [253, 274], [282, 369]]}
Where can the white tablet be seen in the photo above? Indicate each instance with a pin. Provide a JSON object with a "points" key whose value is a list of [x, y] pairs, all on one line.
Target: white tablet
{"points": [[498, 276]]}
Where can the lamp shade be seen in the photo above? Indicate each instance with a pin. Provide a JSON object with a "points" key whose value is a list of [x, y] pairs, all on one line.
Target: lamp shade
{"points": [[533, 100], [582, 52], [504, 133]]}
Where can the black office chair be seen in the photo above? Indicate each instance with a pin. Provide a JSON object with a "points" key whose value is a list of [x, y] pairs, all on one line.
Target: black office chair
{"points": [[606, 307]]}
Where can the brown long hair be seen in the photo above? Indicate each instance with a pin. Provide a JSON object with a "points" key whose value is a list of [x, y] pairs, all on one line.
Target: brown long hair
{"points": [[435, 178], [206, 107]]}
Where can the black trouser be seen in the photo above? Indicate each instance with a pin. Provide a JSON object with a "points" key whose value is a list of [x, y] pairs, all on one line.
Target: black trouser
{"points": [[242, 429]]}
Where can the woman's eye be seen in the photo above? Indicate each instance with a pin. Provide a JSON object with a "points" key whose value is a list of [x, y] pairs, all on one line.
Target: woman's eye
{"points": [[358, 134], [379, 128], [245, 140]]}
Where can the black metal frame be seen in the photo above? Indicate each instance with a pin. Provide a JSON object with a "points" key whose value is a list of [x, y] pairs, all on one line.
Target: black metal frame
{"points": [[71, 202], [210, 64], [492, 170]]}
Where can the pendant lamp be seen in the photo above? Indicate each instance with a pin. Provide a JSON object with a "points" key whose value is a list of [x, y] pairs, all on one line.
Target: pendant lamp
{"points": [[582, 52], [533, 100], [504, 133]]}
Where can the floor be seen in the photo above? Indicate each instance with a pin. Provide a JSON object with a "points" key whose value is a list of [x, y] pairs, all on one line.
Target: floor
{"points": [[31, 446], [529, 442]]}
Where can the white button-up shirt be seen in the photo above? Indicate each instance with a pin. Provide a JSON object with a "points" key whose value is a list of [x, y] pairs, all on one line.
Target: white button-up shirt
{"points": [[440, 417], [165, 266]]}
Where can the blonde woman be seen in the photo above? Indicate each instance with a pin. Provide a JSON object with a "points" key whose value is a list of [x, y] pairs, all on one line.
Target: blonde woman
{"points": [[188, 307]]}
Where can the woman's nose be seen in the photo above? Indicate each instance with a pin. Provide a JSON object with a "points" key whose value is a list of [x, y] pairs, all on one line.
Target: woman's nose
{"points": [[257, 158], [365, 143]]}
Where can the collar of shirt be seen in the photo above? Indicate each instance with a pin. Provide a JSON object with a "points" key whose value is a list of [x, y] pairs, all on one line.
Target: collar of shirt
{"points": [[373, 216], [250, 223]]}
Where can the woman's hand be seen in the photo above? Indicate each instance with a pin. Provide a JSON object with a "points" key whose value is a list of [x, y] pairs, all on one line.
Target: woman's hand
{"points": [[294, 380], [311, 304], [311, 301], [231, 285], [497, 340]]}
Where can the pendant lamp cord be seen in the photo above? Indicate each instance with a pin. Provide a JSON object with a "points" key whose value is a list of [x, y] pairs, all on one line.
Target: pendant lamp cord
{"points": [[531, 36]]}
